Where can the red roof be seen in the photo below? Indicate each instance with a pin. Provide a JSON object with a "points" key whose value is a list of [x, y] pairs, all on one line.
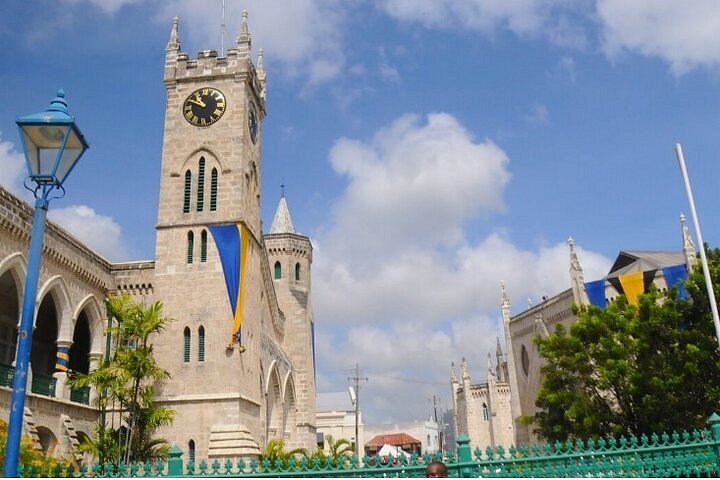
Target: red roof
{"points": [[394, 439]]}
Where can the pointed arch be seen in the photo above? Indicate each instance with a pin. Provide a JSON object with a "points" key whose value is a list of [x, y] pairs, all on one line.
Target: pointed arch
{"points": [[297, 272], [201, 184], [57, 287], [211, 158], [190, 246], [289, 422], [203, 246], [11, 284], [91, 305], [278, 270], [187, 191], [201, 343], [213, 189], [273, 401], [186, 345]]}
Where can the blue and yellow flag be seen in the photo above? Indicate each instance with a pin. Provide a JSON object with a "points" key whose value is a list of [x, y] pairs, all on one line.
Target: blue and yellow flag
{"points": [[633, 284], [232, 244]]}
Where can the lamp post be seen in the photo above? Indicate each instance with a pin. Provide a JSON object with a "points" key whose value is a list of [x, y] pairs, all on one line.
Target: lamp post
{"points": [[52, 144]]}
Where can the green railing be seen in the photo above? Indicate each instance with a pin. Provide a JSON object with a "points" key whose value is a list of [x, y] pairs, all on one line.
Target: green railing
{"points": [[687, 454], [43, 384], [7, 373], [80, 395]]}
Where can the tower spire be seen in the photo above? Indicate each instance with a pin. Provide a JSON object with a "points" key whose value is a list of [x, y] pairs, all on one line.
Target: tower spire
{"points": [[688, 246], [577, 279], [243, 39], [282, 222], [174, 41]]}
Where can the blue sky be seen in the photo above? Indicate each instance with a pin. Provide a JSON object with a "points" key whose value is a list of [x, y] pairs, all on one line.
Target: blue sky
{"points": [[431, 149]]}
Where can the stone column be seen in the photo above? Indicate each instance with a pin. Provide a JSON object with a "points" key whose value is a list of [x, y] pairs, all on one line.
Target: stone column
{"points": [[62, 389]]}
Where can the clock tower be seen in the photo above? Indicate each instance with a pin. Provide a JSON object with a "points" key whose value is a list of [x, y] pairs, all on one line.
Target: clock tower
{"points": [[229, 397]]}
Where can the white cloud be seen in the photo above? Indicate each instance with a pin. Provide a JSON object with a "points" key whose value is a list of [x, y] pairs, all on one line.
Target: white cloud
{"points": [[538, 115], [399, 287], [526, 18], [12, 167], [685, 35], [108, 6], [99, 232]]}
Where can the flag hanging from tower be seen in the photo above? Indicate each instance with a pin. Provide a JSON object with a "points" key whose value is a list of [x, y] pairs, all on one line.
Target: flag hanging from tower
{"points": [[232, 243]]}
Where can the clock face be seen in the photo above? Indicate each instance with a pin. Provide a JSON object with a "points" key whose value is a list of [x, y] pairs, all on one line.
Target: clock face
{"points": [[204, 106], [252, 122]]}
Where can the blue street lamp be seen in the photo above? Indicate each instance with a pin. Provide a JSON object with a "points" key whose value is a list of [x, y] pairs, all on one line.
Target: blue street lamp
{"points": [[53, 144]]}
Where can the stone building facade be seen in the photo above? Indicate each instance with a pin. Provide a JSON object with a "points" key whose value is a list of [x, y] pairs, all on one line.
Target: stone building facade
{"points": [[483, 411], [231, 393], [523, 358]]}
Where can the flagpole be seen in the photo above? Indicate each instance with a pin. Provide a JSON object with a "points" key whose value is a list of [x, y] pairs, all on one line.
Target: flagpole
{"points": [[698, 234]]}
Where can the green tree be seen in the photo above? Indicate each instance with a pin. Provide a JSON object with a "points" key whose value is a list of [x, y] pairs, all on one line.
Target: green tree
{"points": [[633, 369], [339, 450], [34, 462], [126, 379], [275, 452]]}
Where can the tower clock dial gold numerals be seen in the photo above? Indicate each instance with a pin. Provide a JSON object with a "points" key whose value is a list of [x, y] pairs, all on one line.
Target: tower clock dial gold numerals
{"points": [[204, 106]]}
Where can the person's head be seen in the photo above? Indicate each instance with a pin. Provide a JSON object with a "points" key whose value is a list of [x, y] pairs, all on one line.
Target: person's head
{"points": [[436, 469]]}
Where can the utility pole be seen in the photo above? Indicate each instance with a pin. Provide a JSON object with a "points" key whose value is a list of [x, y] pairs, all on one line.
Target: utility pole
{"points": [[355, 397], [439, 421]]}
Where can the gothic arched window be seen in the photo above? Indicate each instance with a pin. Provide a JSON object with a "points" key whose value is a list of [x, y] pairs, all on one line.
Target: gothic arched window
{"points": [[201, 344], [213, 189], [203, 246], [190, 246], [191, 451], [186, 345], [186, 195], [485, 412], [278, 271], [201, 184], [297, 272]]}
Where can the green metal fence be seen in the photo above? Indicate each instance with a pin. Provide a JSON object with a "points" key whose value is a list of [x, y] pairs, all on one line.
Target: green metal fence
{"points": [[694, 454]]}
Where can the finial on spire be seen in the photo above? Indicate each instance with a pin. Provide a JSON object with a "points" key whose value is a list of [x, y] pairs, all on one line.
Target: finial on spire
{"points": [[282, 190], [464, 369], [244, 37], [260, 65], [688, 246], [504, 303], [174, 42], [577, 280], [453, 373]]}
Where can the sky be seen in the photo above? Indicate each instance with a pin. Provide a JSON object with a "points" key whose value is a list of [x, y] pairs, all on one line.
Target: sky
{"points": [[430, 149]]}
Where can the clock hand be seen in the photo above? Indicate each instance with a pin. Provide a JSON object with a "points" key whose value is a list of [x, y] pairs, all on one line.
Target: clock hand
{"points": [[198, 101]]}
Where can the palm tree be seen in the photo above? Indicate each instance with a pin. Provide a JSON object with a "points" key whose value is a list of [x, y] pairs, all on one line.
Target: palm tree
{"points": [[339, 450], [128, 378], [275, 451]]}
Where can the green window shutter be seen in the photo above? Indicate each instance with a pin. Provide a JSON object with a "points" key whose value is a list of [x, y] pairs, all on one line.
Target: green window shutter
{"points": [[278, 271], [201, 344], [213, 189], [203, 246], [190, 246], [191, 451], [186, 196], [186, 345], [297, 272], [201, 184]]}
